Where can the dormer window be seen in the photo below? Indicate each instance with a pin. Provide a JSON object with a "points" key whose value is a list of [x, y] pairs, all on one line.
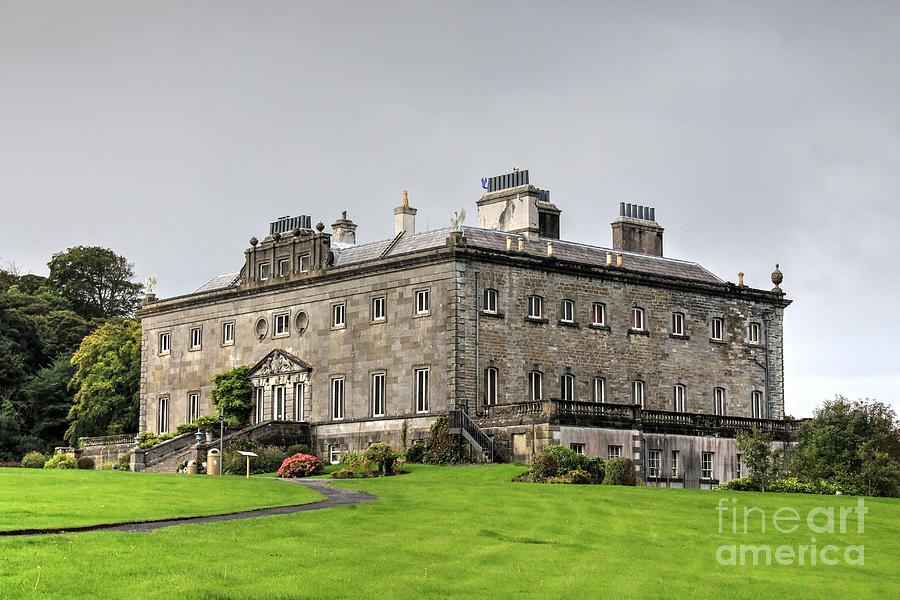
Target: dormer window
{"points": [[263, 271]]}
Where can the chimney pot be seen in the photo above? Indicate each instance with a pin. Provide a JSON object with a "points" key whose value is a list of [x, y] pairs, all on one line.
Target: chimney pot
{"points": [[740, 280], [508, 243], [549, 248], [618, 260], [521, 245]]}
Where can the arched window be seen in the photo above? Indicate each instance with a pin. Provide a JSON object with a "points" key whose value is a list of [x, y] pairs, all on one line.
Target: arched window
{"points": [[756, 405], [535, 386], [491, 384], [637, 319], [567, 387], [679, 398], [719, 401]]}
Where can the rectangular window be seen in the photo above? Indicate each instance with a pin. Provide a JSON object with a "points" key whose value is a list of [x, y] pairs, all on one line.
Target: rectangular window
{"points": [[739, 466], [613, 451], [334, 454], [719, 401], [278, 402], [284, 267], [706, 465], [378, 394], [535, 386], [599, 389], [491, 375], [677, 324], [535, 307], [753, 333], [598, 314], [260, 404], [756, 405], [263, 272], [637, 393], [715, 330], [196, 338], [567, 387], [577, 448], [490, 301], [228, 333], [164, 342], [337, 398], [337, 316], [679, 394], [567, 312], [299, 401], [637, 319], [282, 324], [378, 309], [422, 302], [676, 464], [303, 263], [193, 406], [654, 463], [162, 415], [422, 390]]}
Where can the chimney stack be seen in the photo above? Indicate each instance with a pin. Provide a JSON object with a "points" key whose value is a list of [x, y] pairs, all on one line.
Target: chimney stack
{"points": [[405, 217], [343, 231], [636, 230]]}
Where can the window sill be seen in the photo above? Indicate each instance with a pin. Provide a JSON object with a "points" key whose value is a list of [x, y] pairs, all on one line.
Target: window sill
{"points": [[338, 327], [169, 353], [377, 321], [420, 315], [599, 327], [227, 344], [719, 342], [676, 336], [638, 332], [572, 324], [281, 335], [536, 320], [493, 315], [195, 349]]}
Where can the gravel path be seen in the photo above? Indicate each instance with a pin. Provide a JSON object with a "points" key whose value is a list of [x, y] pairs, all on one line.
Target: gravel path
{"points": [[333, 497]]}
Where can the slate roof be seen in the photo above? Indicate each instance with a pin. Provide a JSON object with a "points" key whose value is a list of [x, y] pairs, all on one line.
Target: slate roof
{"points": [[493, 240]]}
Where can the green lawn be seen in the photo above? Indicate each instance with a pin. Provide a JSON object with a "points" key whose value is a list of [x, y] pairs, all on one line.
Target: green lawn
{"points": [[463, 532], [42, 499]]}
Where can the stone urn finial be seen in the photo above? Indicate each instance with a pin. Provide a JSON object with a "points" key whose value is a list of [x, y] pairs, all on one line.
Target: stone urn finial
{"points": [[254, 241], [777, 278], [320, 227]]}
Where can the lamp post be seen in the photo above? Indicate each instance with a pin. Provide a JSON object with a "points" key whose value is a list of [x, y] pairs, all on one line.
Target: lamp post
{"points": [[221, 437]]}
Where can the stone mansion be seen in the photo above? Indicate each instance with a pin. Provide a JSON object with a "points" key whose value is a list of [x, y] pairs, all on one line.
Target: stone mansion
{"points": [[523, 339]]}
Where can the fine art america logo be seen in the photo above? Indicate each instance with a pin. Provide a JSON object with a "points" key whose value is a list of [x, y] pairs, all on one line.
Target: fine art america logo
{"points": [[822, 524]]}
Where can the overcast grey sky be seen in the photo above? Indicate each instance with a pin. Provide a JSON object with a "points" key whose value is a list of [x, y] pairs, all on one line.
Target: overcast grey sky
{"points": [[763, 133]]}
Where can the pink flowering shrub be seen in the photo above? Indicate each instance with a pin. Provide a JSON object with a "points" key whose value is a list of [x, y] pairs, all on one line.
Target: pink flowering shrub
{"points": [[300, 465]]}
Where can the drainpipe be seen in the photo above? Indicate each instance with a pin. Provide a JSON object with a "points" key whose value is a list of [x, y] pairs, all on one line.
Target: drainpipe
{"points": [[767, 318], [477, 333]]}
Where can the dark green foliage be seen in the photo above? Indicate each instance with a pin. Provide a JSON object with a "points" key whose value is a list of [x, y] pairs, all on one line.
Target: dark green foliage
{"points": [[96, 282], [416, 452], [46, 401], [596, 466], [439, 449], [567, 458], [620, 471], [106, 381], [148, 439], [233, 393], [790, 485], [34, 460], [853, 445], [269, 460], [208, 423], [298, 449], [763, 461], [85, 463], [125, 462], [544, 465]]}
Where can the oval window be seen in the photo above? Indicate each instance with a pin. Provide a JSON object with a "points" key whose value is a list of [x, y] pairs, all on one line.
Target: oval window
{"points": [[301, 321], [262, 327]]}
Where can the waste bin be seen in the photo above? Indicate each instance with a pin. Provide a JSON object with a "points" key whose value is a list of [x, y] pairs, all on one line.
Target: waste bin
{"points": [[192, 467], [213, 462]]}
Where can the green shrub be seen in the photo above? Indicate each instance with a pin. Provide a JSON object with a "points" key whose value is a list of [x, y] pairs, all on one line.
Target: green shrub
{"points": [[85, 463], [233, 391], [543, 466], [148, 439], [440, 450], [383, 456], [742, 484], [108, 466], [300, 465], [343, 474], [268, 460], [620, 471], [34, 460], [415, 453], [297, 449], [566, 458], [125, 462], [596, 466], [61, 461], [208, 423], [579, 477]]}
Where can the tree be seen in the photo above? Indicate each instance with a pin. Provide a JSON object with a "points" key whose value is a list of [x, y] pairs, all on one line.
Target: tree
{"points": [[96, 281], [763, 461], [46, 402], [106, 381], [233, 392], [855, 445]]}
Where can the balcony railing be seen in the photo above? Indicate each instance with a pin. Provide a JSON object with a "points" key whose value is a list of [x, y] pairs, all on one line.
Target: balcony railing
{"points": [[628, 416]]}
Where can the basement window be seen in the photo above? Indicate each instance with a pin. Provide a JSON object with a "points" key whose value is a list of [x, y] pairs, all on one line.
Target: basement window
{"points": [[613, 451], [577, 448]]}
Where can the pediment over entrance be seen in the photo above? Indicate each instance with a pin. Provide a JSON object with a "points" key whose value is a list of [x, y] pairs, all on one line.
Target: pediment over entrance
{"points": [[278, 362]]}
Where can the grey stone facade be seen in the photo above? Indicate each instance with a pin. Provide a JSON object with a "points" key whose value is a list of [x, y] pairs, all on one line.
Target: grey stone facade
{"points": [[457, 338]]}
